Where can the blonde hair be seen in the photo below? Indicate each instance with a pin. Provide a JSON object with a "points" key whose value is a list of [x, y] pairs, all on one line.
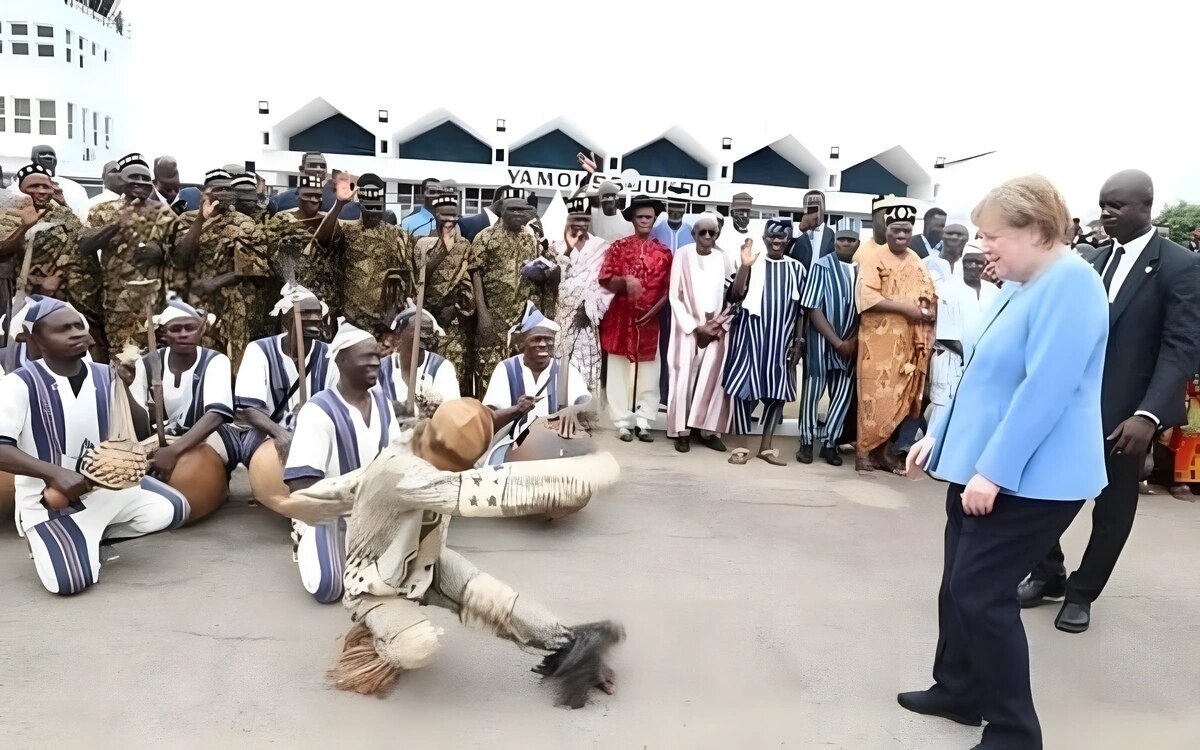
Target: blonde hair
{"points": [[1031, 201]]}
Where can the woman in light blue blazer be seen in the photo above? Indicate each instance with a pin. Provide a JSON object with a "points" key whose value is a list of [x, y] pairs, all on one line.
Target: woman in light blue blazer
{"points": [[1022, 447]]}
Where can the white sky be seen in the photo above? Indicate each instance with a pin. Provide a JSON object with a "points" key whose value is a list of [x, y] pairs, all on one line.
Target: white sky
{"points": [[941, 78]]}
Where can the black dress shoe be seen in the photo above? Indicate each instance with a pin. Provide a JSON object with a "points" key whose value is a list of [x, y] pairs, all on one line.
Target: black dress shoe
{"points": [[804, 453], [1032, 593], [934, 702], [714, 442], [1074, 617], [643, 435], [682, 444], [831, 455]]}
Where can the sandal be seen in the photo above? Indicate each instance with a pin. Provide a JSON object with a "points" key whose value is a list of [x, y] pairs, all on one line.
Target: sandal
{"points": [[740, 456], [771, 456]]}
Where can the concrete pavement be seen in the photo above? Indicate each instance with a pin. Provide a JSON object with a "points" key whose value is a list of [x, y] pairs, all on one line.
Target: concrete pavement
{"points": [[766, 607]]}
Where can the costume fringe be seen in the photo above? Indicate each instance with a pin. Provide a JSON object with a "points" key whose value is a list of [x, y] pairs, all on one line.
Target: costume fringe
{"points": [[360, 669], [557, 487]]}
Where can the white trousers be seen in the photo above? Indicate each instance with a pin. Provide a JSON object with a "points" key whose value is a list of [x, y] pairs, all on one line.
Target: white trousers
{"points": [[66, 548], [619, 391], [321, 555]]}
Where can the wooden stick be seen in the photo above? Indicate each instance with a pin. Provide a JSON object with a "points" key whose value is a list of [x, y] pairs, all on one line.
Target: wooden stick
{"points": [[156, 383], [298, 343], [19, 294], [416, 345]]}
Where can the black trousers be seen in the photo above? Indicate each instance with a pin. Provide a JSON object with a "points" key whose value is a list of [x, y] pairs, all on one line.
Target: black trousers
{"points": [[982, 660], [1112, 520]]}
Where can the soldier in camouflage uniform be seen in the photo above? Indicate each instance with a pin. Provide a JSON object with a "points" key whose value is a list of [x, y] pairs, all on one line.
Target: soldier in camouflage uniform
{"points": [[498, 256], [249, 201], [304, 247], [449, 295], [135, 237], [222, 259], [378, 276]]}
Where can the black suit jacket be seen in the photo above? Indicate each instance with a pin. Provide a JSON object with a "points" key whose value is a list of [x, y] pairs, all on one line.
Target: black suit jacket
{"points": [[1154, 335], [802, 249], [470, 226]]}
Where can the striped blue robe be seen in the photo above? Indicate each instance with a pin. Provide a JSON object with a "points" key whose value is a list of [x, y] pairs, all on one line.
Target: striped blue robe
{"points": [[829, 287], [756, 367]]}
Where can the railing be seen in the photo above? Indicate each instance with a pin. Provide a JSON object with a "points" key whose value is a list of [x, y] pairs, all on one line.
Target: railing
{"points": [[117, 22]]}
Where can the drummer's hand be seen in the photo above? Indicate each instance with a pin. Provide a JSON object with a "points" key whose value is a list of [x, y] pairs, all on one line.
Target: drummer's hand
{"points": [[162, 463], [525, 404], [72, 484], [283, 444], [568, 423]]}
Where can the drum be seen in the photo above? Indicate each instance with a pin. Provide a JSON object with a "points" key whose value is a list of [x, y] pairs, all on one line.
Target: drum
{"points": [[266, 476], [200, 476], [8, 495], [542, 442]]}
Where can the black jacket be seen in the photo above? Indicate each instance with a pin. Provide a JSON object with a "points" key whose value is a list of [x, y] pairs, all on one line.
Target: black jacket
{"points": [[1154, 335], [802, 249]]}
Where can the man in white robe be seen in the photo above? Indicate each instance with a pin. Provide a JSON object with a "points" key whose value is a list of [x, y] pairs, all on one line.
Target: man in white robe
{"points": [[696, 353]]}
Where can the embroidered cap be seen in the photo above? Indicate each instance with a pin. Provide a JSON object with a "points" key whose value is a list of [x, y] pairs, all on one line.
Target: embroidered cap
{"points": [[132, 164], [405, 316], [530, 319], [371, 187], [778, 225], [446, 199], [579, 206], [177, 308], [293, 293], [39, 307], [347, 336], [900, 212], [29, 170], [217, 178], [245, 179]]}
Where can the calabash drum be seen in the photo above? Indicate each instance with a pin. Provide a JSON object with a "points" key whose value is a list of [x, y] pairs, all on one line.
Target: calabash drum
{"points": [[542, 442], [266, 476], [200, 476], [8, 495]]}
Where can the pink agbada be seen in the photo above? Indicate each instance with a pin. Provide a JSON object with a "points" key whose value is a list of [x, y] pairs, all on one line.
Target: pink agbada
{"points": [[696, 399]]}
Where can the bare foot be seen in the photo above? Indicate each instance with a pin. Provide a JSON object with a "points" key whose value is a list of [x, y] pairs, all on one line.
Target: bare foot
{"points": [[607, 679]]}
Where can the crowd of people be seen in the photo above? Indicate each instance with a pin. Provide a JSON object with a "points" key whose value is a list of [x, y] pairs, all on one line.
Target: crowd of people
{"points": [[312, 334]]}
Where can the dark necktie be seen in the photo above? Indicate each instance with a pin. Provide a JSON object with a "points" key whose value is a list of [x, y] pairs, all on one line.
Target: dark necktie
{"points": [[1118, 251]]}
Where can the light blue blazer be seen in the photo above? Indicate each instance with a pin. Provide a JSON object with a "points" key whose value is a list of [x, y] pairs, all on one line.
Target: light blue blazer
{"points": [[1027, 412]]}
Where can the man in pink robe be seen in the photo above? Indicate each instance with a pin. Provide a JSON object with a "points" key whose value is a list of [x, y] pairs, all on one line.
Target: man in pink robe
{"points": [[696, 353]]}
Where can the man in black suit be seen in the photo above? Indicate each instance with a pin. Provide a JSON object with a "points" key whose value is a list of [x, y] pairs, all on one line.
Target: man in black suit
{"points": [[814, 232], [469, 226], [929, 241], [1153, 350]]}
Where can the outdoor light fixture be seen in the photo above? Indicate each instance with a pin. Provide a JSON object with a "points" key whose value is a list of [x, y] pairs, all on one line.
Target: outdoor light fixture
{"points": [[834, 152], [383, 115], [264, 108], [726, 143], [501, 126], [940, 163]]}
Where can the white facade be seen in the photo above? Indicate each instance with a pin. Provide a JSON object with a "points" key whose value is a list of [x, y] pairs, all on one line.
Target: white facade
{"points": [[279, 164], [62, 83]]}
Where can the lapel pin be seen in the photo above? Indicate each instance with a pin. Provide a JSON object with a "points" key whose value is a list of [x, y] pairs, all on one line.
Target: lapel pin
{"points": [[1149, 269]]}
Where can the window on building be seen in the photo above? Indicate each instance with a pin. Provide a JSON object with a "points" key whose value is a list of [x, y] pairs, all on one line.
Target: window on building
{"points": [[383, 146], [70, 121], [95, 121], [105, 55], [45, 50], [69, 37], [266, 138], [81, 40], [47, 117], [3, 119], [474, 199], [93, 48], [19, 29], [46, 32], [107, 132], [20, 48], [22, 123], [407, 197], [69, 50]]}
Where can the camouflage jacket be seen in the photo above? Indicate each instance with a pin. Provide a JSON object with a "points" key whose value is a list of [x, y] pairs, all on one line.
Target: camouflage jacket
{"points": [[498, 255], [378, 275], [151, 223]]}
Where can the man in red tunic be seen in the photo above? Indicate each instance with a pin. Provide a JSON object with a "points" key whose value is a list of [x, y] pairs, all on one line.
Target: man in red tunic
{"points": [[637, 270]]}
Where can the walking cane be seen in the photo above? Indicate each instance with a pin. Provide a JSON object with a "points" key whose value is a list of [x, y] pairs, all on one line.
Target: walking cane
{"points": [[19, 295], [156, 383]]}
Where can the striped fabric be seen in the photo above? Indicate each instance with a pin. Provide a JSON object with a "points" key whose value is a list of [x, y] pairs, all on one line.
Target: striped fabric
{"points": [[429, 365], [830, 288], [317, 366], [197, 408], [343, 427], [840, 384], [756, 366]]}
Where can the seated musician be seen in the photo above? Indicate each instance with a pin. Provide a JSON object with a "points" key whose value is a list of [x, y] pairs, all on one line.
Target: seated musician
{"points": [[341, 429], [435, 374], [19, 350], [267, 391], [197, 386], [529, 385], [49, 409]]}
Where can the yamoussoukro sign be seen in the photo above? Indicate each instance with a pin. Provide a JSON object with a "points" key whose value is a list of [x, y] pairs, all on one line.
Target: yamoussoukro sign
{"points": [[570, 180]]}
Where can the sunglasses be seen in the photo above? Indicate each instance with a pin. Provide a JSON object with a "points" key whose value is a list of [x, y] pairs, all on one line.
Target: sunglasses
{"points": [[706, 232]]}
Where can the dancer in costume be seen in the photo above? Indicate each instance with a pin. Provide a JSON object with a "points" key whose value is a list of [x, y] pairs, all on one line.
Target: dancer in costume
{"points": [[397, 557], [49, 410], [339, 430]]}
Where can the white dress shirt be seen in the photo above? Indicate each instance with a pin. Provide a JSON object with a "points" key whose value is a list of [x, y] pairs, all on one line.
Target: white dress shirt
{"points": [[1129, 261], [817, 234]]}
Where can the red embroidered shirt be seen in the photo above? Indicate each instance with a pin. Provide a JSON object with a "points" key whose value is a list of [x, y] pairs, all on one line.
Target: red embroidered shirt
{"points": [[649, 261]]}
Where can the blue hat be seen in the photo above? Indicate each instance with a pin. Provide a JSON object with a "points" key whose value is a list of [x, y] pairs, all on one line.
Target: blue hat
{"points": [[42, 307], [530, 319], [777, 225]]}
